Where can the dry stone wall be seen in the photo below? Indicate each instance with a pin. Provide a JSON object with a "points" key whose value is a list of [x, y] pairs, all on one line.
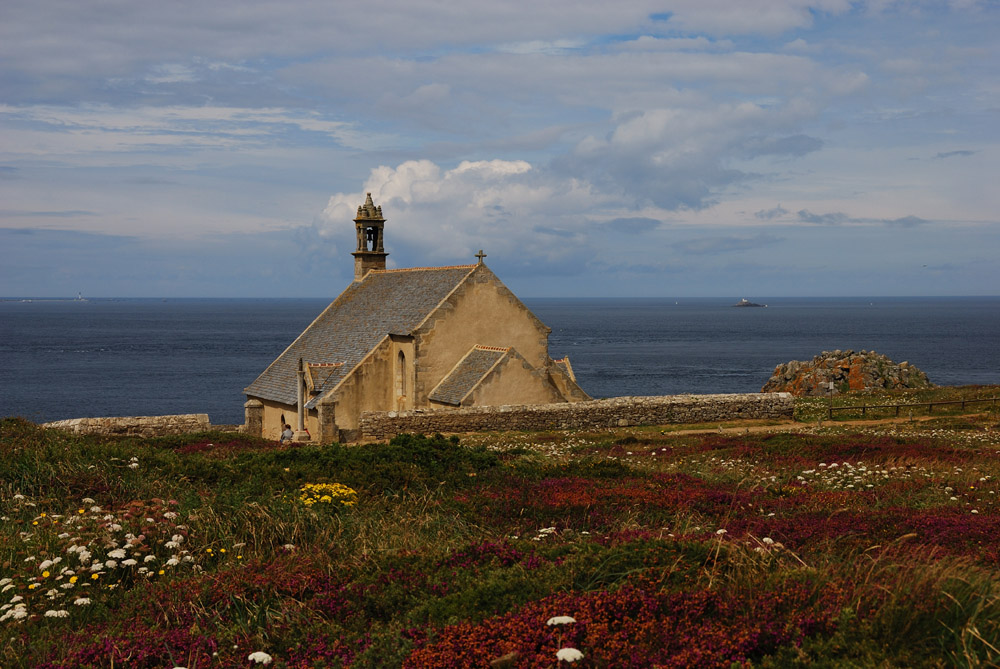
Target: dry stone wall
{"points": [[139, 426], [612, 412]]}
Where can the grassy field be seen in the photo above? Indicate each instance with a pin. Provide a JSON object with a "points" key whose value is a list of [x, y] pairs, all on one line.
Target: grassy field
{"points": [[825, 545]]}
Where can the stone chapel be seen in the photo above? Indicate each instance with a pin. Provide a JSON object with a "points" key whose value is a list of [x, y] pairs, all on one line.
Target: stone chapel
{"points": [[403, 339]]}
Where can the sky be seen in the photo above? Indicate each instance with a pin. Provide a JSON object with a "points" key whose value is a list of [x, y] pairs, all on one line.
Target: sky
{"points": [[650, 148]]}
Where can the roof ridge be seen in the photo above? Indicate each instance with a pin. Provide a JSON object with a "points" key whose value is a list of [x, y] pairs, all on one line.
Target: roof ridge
{"points": [[420, 269], [498, 349]]}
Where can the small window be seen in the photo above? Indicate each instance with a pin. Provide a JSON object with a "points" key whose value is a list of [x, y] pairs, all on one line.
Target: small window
{"points": [[401, 375]]}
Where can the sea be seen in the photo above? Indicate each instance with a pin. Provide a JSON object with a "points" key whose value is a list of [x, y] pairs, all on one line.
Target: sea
{"points": [[136, 357]]}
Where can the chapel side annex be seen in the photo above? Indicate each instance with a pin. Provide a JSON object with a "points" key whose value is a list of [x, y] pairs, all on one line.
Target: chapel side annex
{"points": [[400, 339]]}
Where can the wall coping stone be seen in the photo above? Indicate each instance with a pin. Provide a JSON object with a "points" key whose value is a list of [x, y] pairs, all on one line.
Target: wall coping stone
{"points": [[145, 426], [602, 413]]}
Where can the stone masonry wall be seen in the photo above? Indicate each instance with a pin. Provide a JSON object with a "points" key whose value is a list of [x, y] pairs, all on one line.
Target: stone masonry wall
{"points": [[140, 426], [613, 412]]}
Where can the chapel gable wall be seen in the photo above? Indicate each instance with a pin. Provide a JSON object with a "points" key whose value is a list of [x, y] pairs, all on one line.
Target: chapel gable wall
{"points": [[481, 311]]}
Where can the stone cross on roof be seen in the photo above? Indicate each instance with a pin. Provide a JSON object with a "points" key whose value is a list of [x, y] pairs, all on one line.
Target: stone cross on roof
{"points": [[480, 255]]}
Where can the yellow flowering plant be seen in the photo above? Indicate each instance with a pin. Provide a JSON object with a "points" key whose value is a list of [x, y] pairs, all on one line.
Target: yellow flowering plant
{"points": [[332, 494]]}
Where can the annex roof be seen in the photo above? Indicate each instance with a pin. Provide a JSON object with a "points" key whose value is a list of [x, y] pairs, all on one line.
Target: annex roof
{"points": [[563, 364], [467, 374], [384, 302]]}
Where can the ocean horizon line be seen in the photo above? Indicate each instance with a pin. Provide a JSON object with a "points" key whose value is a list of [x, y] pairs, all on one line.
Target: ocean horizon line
{"points": [[736, 296]]}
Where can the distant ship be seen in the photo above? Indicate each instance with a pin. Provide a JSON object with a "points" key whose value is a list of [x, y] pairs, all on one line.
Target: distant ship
{"points": [[747, 303]]}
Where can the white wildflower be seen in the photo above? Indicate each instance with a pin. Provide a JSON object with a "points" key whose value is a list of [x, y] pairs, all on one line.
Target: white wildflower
{"points": [[569, 655], [560, 620], [56, 614], [129, 563], [110, 564], [149, 558], [720, 532], [117, 553], [259, 657], [81, 601], [87, 500]]}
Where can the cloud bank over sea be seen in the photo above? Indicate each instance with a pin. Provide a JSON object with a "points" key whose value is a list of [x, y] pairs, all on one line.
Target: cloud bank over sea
{"points": [[670, 148]]}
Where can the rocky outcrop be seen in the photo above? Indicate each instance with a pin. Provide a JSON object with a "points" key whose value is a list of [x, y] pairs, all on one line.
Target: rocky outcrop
{"points": [[835, 372]]}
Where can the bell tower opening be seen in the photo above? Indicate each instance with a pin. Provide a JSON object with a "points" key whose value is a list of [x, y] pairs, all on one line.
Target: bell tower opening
{"points": [[369, 227]]}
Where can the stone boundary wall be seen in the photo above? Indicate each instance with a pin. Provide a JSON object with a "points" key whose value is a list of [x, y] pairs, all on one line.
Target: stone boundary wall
{"points": [[612, 412], [138, 426]]}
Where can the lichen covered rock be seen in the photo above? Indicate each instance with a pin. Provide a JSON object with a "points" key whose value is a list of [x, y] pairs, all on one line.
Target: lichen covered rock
{"points": [[834, 372]]}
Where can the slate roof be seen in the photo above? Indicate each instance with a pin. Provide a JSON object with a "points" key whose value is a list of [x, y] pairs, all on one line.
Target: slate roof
{"points": [[384, 302], [468, 373]]}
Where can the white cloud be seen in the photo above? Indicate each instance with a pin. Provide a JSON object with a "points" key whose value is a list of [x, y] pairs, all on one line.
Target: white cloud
{"points": [[684, 158], [48, 131], [736, 17], [506, 207], [540, 46], [646, 43]]}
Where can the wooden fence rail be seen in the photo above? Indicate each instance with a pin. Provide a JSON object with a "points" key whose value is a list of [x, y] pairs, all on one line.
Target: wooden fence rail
{"points": [[930, 406]]}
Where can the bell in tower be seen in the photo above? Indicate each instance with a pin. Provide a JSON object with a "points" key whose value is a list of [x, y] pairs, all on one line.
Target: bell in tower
{"points": [[369, 226]]}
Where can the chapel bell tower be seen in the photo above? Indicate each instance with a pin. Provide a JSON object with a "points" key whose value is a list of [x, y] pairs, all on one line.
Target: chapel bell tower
{"points": [[369, 225]]}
